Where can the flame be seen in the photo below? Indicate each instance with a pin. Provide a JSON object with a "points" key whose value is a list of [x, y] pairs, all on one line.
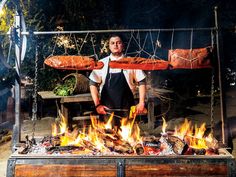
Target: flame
{"points": [[93, 136], [184, 129], [62, 126], [194, 137], [164, 125], [129, 132]]}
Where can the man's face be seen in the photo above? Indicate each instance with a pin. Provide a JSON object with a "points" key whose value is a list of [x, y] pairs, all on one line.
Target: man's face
{"points": [[115, 45]]}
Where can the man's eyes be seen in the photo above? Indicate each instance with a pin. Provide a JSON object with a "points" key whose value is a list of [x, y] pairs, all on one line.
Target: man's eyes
{"points": [[116, 43]]}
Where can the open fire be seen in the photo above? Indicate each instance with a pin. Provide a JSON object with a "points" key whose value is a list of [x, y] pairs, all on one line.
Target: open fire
{"points": [[104, 150], [102, 138]]}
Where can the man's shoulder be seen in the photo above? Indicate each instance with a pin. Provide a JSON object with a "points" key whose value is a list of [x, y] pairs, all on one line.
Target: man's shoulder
{"points": [[104, 59]]}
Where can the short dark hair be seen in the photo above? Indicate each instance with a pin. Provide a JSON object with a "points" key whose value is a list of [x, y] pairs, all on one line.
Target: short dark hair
{"points": [[115, 35]]}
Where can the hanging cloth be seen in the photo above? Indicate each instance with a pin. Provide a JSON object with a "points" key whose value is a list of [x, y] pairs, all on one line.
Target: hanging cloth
{"points": [[190, 58]]}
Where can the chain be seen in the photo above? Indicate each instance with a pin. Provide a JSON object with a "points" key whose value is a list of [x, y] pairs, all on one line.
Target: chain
{"points": [[212, 102], [35, 106]]}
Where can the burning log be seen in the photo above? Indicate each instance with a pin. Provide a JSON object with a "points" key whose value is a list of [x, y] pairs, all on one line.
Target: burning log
{"points": [[118, 145], [192, 151], [88, 145], [24, 149], [176, 143], [151, 145], [63, 149], [124, 148], [139, 149], [212, 151], [51, 141], [27, 147], [199, 151]]}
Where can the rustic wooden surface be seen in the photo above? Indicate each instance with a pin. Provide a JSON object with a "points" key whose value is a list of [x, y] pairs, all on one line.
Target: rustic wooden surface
{"points": [[65, 170], [109, 170], [176, 170]]}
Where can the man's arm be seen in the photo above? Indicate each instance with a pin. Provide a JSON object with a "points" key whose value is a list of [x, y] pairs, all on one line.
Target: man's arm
{"points": [[95, 95], [140, 107], [96, 99]]}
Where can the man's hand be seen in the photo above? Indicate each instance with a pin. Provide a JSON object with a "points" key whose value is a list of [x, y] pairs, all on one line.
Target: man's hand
{"points": [[140, 108], [101, 109]]}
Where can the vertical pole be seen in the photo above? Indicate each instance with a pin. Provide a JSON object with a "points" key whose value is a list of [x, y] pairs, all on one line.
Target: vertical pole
{"points": [[17, 36], [221, 85], [150, 105]]}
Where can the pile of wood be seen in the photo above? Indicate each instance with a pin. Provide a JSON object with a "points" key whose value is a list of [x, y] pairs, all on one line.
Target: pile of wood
{"points": [[5, 135], [150, 145]]}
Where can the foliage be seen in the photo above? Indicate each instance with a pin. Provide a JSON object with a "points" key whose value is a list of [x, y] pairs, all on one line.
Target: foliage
{"points": [[66, 88]]}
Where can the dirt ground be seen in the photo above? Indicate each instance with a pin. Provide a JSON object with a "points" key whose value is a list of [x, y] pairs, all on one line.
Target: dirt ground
{"points": [[43, 127]]}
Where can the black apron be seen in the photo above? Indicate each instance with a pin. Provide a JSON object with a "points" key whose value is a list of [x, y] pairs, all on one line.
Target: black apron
{"points": [[116, 93]]}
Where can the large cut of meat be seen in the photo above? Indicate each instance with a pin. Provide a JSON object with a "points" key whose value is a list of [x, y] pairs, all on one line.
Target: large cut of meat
{"points": [[190, 58], [140, 63], [73, 62]]}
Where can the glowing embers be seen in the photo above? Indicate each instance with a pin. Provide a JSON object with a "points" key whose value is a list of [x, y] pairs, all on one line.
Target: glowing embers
{"points": [[102, 138]]}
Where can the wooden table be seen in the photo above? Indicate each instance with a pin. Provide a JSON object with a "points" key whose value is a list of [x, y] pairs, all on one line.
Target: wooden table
{"points": [[86, 97]]}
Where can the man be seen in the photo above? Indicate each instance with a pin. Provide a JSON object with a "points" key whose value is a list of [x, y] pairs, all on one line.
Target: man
{"points": [[116, 86]]}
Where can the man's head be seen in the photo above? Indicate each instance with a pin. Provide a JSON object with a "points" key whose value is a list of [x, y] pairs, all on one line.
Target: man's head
{"points": [[116, 45]]}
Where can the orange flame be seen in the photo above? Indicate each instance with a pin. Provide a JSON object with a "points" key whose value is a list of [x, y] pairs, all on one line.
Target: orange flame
{"points": [[164, 125], [94, 135], [194, 137]]}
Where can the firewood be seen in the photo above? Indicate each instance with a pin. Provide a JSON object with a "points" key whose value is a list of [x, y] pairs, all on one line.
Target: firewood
{"points": [[109, 144], [199, 151], [124, 149], [212, 151], [88, 145], [119, 146], [139, 149], [5, 139], [63, 149], [176, 143], [24, 149], [150, 138], [193, 151]]}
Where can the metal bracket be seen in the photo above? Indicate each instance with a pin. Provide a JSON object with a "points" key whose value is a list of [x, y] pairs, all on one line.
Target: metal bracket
{"points": [[120, 167], [231, 167], [10, 168]]}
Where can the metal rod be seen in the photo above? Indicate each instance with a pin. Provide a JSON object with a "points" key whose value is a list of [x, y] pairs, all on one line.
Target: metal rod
{"points": [[114, 31], [222, 102], [17, 127], [117, 31]]}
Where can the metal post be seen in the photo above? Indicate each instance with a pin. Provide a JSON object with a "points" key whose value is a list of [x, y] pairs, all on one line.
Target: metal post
{"points": [[221, 86], [17, 37]]}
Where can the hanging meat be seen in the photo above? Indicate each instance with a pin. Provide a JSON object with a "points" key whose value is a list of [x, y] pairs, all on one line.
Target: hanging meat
{"points": [[140, 63], [73, 62], [190, 58]]}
